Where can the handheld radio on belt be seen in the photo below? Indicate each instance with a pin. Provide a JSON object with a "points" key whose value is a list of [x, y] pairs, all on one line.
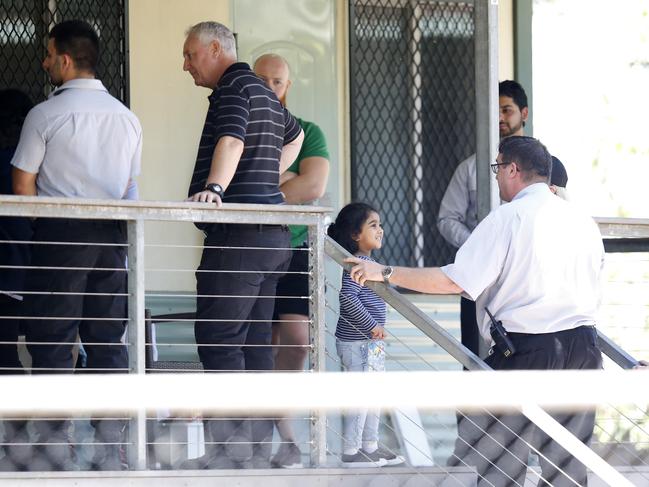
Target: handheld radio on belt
{"points": [[499, 335]]}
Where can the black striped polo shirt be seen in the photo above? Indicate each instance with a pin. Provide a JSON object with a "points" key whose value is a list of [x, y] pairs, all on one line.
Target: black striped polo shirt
{"points": [[242, 106]]}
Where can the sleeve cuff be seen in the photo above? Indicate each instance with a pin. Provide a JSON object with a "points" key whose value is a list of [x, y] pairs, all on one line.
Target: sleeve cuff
{"points": [[454, 275]]}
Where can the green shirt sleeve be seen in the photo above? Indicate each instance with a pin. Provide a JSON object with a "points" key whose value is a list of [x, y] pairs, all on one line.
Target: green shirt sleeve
{"points": [[314, 144]]}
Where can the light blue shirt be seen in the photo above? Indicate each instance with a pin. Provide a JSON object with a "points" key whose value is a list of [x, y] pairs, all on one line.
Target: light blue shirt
{"points": [[81, 142], [458, 210]]}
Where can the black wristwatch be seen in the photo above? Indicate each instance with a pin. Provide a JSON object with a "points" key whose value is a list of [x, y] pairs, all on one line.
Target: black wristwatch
{"points": [[215, 188], [387, 273]]}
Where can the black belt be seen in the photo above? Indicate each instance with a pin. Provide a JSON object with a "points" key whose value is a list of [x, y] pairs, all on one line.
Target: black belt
{"points": [[80, 222], [566, 331], [249, 227]]}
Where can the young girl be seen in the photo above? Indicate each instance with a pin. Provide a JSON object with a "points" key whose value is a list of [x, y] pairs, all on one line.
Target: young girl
{"points": [[359, 333]]}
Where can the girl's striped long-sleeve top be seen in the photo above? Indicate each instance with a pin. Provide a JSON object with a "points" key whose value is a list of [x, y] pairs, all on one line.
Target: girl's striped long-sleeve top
{"points": [[360, 310]]}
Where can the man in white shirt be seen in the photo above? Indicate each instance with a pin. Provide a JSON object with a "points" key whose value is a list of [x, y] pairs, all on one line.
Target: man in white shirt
{"points": [[80, 143], [535, 263], [458, 213]]}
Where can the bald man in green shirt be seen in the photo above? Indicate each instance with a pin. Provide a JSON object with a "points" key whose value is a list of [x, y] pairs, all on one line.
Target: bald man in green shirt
{"points": [[303, 182]]}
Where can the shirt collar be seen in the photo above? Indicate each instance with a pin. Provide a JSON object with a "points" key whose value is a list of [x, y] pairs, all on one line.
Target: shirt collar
{"points": [[532, 189], [232, 68], [80, 84]]}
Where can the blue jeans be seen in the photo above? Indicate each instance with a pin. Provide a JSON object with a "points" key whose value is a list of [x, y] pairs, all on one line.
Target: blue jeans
{"points": [[361, 426]]}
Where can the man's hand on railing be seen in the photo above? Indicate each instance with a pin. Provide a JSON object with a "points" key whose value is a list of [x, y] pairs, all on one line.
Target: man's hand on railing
{"points": [[364, 270], [206, 197], [642, 364]]}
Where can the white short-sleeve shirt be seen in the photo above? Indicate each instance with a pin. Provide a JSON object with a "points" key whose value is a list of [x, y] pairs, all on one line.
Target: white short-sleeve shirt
{"points": [[535, 263], [81, 142]]}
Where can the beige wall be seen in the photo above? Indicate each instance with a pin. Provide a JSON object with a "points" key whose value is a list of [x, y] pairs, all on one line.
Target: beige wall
{"points": [[172, 111]]}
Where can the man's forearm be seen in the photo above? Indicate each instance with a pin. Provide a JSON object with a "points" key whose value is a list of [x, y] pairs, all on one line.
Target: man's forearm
{"points": [[225, 160], [290, 152], [23, 183], [310, 184], [430, 280]]}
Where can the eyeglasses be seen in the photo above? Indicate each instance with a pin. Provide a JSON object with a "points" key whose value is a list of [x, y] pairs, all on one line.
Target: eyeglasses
{"points": [[494, 167]]}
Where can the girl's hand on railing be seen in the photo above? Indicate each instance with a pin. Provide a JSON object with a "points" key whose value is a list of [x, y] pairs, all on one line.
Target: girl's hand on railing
{"points": [[378, 333]]}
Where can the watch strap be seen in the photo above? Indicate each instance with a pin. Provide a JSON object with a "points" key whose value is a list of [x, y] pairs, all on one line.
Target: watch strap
{"points": [[214, 188]]}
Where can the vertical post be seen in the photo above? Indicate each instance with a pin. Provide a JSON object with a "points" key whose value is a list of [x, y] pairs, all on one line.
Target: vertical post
{"points": [[523, 68], [317, 363], [416, 83], [485, 15], [136, 337], [50, 16]]}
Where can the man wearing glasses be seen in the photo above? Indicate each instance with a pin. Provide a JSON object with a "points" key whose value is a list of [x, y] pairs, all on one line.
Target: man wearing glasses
{"points": [[535, 263], [458, 213]]}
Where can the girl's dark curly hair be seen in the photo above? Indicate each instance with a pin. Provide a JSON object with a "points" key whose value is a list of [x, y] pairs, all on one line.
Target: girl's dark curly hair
{"points": [[349, 224]]}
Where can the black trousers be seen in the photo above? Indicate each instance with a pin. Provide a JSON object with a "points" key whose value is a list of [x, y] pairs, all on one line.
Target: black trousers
{"points": [[470, 336], [499, 445], [235, 309], [76, 269], [75, 312], [15, 431], [9, 331]]}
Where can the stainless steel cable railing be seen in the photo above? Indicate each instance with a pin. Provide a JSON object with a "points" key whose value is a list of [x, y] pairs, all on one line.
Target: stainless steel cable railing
{"points": [[455, 349], [136, 442]]}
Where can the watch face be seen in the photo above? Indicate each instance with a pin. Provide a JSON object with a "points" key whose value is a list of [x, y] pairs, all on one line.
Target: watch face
{"points": [[215, 188]]}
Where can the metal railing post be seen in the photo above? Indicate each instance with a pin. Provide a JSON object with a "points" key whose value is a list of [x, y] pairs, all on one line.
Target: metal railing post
{"points": [[318, 429], [136, 337], [486, 100]]}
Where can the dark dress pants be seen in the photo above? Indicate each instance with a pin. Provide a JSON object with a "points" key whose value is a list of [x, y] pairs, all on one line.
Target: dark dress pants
{"points": [[9, 331], [15, 431], [77, 269], [499, 445], [235, 309], [469, 333]]}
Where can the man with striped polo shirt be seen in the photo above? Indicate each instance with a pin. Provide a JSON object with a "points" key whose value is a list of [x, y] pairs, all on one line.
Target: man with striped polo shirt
{"points": [[248, 139]]}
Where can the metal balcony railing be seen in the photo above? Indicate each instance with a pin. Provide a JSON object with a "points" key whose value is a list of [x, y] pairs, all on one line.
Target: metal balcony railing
{"points": [[620, 235], [404, 431], [140, 278]]}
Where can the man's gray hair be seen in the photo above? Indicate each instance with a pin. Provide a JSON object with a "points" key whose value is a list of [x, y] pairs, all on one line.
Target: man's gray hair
{"points": [[210, 31]]}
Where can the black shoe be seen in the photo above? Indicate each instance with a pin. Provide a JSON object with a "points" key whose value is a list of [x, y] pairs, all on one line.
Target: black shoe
{"points": [[288, 456], [199, 463], [259, 462], [238, 449], [107, 459], [212, 462]]}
